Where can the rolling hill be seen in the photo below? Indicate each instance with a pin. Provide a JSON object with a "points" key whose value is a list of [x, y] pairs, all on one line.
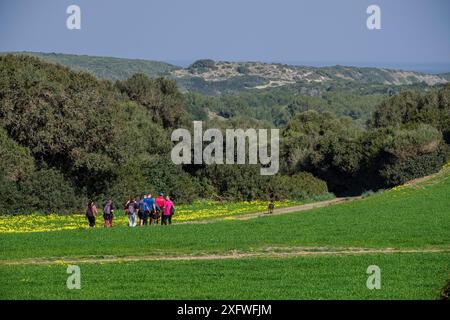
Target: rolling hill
{"points": [[108, 67], [216, 77], [317, 254]]}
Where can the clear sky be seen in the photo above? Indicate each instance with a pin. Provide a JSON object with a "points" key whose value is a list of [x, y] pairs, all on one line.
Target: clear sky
{"points": [[414, 32]]}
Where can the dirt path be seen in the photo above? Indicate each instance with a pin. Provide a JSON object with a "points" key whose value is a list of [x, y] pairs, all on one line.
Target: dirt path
{"points": [[269, 252], [412, 183], [279, 211]]}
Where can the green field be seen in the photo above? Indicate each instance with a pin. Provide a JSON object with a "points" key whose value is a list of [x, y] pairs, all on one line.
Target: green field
{"points": [[405, 276], [304, 255]]}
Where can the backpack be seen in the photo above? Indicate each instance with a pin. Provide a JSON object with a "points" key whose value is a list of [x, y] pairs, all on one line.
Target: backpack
{"points": [[107, 208], [172, 210], [90, 211], [141, 206]]}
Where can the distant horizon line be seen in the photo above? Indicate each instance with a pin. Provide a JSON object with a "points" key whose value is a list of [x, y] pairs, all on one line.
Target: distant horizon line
{"points": [[423, 67]]}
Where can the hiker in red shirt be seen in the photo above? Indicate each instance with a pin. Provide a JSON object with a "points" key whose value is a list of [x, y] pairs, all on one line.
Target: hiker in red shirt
{"points": [[161, 203], [169, 211]]}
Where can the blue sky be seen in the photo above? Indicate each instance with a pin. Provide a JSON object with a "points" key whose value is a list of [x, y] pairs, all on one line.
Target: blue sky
{"points": [[414, 32]]}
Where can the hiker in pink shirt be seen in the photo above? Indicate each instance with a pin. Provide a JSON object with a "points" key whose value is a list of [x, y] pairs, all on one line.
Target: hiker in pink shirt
{"points": [[169, 210]]}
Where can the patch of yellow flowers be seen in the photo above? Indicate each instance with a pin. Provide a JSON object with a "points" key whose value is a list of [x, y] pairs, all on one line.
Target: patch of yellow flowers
{"points": [[447, 165], [399, 187], [196, 211]]}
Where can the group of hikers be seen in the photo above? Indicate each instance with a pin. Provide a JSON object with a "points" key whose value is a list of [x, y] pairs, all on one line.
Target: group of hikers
{"points": [[145, 208]]}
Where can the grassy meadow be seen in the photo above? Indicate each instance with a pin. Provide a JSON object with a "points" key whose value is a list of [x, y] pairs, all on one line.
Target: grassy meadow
{"points": [[414, 220], [199, 210], [404, 276]]}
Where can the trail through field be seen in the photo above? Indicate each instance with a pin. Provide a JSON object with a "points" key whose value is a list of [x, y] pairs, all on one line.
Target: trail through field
{"points": [[268, 252], [259, 252], [280, 211], [412, 183]]}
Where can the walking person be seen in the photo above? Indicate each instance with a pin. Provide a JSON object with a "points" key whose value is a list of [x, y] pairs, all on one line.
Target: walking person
{"points": [[152, 207], [108, 212], [136, 209], [125, 207], [270, 207], [131, 212], [91, 213], [141, 209], [112, 214], [169, 211], [143, 206], [160, 202]]}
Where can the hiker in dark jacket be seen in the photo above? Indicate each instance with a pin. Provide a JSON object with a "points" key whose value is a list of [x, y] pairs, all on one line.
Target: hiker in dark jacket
{"points": [[108, 213], [143, 212], [136, 209], [91, 213]]}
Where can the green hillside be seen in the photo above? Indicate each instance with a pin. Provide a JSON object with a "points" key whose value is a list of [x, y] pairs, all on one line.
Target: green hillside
{"points": [[266, 93], [108, 67], [320, 254], [218, 77]]}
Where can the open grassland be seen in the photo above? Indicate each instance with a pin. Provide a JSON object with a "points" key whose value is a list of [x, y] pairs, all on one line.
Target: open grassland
{"points": [[404, 276], [407, 228], [407, 217]]}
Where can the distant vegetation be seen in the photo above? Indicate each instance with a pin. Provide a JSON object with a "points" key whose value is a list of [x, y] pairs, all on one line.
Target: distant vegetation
{"points": [[211, 77], [277, 107], [108, 67], [200, 66]]}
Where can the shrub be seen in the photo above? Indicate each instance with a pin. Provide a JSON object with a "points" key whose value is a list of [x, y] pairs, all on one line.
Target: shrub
{"points": [[203, 65], [16, 163], [304, 185], [11, 197], [414, 107], [445, 291], [48, 191], [170, 179], [412, 168], [300, 186], [413, 153], [367, 194], [243, 69], [160, 98]]}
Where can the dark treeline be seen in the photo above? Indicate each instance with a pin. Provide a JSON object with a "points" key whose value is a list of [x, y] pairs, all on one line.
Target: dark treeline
{"points": [[66, 136]]}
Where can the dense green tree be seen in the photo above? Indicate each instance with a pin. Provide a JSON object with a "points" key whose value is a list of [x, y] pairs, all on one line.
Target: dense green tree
{"points": [[412, 153], [352, 159], [159, 96], [63, 117], [48, 190], [16, 163], [413, 107]]}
